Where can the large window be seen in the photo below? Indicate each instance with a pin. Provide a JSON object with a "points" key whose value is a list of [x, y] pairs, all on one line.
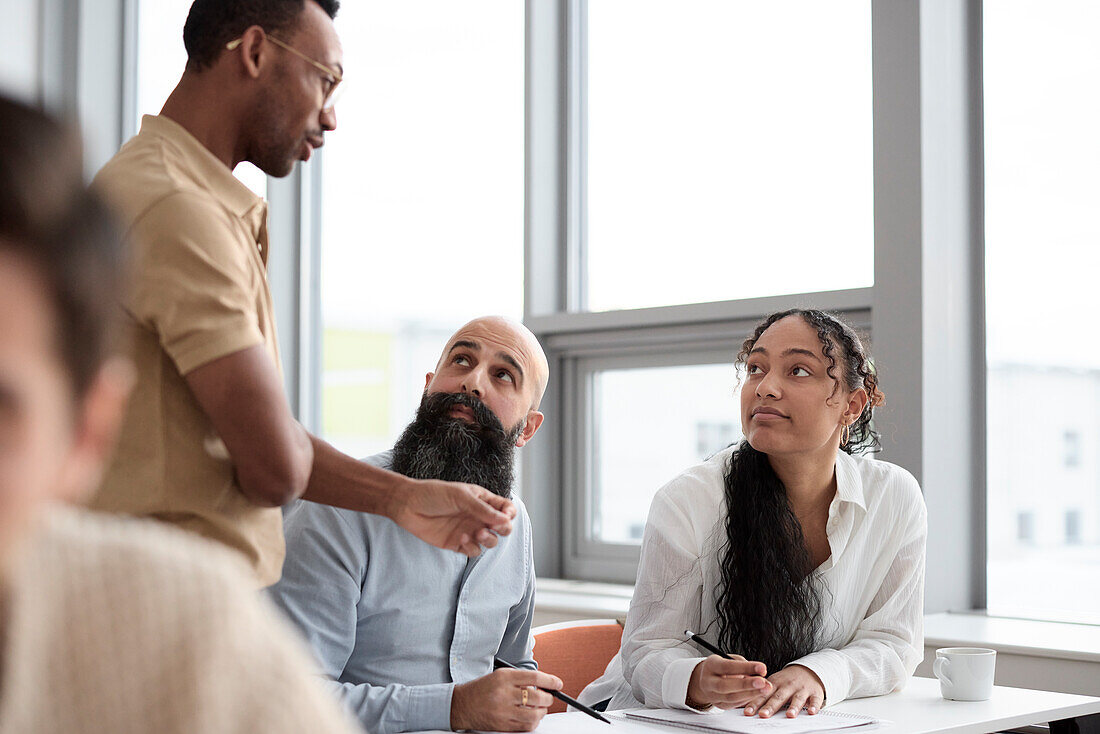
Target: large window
{"points": [[689, 167], [422, 212], [651, 424], [722, 169], [723, 139], [1042, 152]]}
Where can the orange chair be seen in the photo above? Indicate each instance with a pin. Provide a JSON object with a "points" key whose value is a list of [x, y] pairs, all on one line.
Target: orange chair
{"points": [[577, 652]]}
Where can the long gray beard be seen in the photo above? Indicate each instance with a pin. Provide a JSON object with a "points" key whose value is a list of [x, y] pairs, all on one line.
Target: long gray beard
{"points": [[437, 446]]}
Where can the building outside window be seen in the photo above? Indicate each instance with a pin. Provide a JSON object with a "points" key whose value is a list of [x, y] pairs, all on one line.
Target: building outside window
{"points": [[1025, 528], [1073, 527], [711, 438], [648, 432], [1073, 449], [1042, 152]]}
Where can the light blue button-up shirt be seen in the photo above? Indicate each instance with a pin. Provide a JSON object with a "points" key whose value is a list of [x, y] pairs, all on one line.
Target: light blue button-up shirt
{"points": [[395, 622]]}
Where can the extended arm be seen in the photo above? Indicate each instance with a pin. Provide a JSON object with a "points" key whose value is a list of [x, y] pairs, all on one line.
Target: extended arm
{"points": [[277, 461], [242, 395], [458, 517]]}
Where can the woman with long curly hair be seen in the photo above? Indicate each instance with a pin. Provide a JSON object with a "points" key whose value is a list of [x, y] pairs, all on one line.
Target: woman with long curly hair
{"points": [[802, 560]]}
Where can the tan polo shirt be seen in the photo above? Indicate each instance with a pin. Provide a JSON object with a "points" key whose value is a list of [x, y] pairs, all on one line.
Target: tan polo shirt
{"points": [[200, 292]]}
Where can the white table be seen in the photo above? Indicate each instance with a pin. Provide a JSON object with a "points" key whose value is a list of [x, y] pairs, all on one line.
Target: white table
{"points": [[918, 709]]}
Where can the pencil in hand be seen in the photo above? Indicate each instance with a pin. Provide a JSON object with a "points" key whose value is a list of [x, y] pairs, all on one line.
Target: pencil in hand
{"points": [[705, 645], [568, 700]]}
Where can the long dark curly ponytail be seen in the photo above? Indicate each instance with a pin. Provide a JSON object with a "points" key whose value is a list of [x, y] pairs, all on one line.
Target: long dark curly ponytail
{"points": [[768, 608]]}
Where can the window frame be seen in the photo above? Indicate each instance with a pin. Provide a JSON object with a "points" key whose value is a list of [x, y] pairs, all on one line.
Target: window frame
{"points": [[585, 557], [926, 308], [583, 353], [928, 242]]}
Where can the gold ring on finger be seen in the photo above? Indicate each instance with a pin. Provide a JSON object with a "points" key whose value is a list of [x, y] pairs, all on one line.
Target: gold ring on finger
{"points": [[523, 699]]}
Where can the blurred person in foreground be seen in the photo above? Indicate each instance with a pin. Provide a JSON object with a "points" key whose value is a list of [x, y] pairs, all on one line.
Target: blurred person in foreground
{"points": [[407, 632], [209, 443], [106, 624]]}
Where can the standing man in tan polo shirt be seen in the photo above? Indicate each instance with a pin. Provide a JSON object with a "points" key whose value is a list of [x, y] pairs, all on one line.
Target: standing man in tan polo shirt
{"points": [[209, 442], [107, 624]]}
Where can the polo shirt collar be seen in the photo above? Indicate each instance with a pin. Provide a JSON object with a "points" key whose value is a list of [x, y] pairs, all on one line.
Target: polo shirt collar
{"points": [[208, 172]]}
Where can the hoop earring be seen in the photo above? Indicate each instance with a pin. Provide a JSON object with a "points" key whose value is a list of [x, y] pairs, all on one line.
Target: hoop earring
{"points": [[845, 434]]}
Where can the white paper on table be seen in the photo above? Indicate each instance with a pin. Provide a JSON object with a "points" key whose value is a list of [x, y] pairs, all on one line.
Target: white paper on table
{"points": [[734, 720], [577, 722]]}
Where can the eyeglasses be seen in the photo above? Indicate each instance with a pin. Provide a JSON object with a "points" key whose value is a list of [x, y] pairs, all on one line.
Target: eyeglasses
{"points": [[329, 101]]}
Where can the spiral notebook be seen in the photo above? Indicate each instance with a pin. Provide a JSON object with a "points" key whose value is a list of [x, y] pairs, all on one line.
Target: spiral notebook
{"points": [[734, 720]]}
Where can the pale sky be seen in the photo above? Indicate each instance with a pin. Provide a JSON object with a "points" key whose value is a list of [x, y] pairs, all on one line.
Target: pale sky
{"points": [[1042, 148]]}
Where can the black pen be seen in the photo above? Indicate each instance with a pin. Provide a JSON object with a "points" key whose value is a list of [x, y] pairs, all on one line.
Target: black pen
{"points": [[556, 694], [705, 645]]}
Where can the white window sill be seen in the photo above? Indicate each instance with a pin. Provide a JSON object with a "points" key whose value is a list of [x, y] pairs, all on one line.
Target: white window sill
{"points": [[560, 599], [557, 600], [1014, 636]]}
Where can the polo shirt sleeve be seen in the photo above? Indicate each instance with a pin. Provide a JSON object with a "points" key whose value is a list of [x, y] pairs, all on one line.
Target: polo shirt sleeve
{"points": [[194, 282]]}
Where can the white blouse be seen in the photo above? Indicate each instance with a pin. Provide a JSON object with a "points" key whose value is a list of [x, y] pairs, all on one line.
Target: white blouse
{"points": [[871, 638]]}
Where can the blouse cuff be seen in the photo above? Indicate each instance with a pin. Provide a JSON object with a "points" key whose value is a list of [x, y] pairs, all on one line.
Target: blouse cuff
{"points": [[674, 685], [831, 667]]}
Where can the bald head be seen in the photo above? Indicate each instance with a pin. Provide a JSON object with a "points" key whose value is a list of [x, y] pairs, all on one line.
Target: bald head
{"points": [[513, 338], [500, 362]]}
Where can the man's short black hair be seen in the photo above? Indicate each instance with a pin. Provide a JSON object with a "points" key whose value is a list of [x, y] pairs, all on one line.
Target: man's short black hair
{"points": [[211, 24], [50, 220]]}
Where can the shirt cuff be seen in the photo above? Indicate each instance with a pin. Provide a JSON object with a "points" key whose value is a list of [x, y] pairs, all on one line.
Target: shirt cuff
{"points": [[674, 685], [832, 668], [429, 707]]}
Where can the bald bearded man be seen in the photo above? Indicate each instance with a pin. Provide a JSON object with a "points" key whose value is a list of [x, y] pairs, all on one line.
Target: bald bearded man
{"points": [[408, 632]]}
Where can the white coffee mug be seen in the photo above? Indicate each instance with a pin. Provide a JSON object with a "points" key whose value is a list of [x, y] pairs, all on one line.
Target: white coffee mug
{"points": [[965, 673]]}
